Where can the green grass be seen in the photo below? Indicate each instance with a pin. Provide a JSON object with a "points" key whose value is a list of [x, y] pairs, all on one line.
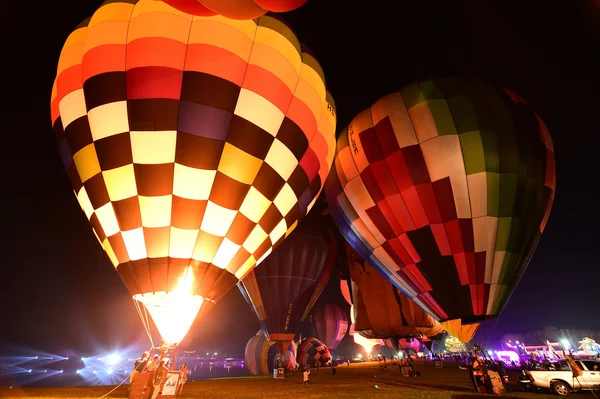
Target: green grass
{"points": [[359, 381]]}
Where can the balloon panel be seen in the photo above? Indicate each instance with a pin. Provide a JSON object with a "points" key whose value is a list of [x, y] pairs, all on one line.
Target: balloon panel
{"points": [[445, 187], [194, 144]]}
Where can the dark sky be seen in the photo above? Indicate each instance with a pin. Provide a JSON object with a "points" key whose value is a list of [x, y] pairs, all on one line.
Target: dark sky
{"points": [[60, 291]]}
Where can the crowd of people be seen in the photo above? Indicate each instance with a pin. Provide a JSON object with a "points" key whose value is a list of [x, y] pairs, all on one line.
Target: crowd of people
{"points": [[159, 367]]}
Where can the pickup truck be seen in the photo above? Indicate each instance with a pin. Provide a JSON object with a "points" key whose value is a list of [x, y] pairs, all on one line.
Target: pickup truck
{"points": [[561, 380]]}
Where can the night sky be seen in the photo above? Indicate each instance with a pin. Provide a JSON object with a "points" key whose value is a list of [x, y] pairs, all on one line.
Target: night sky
{"points": [[59, 290]]}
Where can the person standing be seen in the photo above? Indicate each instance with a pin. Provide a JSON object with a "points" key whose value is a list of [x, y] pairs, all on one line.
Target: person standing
{"points": [[306, 375], [139, 365], [159, 374], [182, 378], [153, 364]]}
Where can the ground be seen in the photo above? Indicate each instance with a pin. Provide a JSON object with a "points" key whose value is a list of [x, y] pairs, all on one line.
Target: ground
{"points": [[358, 381]]}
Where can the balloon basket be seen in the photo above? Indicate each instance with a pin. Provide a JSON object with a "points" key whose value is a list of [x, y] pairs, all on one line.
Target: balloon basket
{"points": [[142, 385]]}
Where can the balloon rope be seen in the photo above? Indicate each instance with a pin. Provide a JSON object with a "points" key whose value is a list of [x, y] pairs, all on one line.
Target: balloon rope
{"points": [[145, 322]]}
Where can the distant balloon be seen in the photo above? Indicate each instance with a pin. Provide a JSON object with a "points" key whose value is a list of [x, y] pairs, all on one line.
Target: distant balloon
{"points": [[331, 323], [193, 149], [235, 9], [312, 351], [445, 187], [366, 343], [284, 287], [412, 344]]}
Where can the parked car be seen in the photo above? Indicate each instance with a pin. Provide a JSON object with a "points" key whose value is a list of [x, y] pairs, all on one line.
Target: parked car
{"points": [[559, 377]]}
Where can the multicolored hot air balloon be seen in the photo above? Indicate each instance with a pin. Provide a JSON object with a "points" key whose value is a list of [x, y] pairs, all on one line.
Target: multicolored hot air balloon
{"points": [[285, 286], [331, 323], [381, 310], [412, 344], [234, 9], [194, 145], [446, 187], [312, 352]]}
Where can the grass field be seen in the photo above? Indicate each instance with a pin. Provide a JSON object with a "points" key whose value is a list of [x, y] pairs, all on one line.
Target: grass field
{"points": [[358, 381]]}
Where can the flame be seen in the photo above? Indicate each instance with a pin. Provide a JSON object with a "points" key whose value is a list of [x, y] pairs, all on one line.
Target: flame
{"points": [[173, 312]]}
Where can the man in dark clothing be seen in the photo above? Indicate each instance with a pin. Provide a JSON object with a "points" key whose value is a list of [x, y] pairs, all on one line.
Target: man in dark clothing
{"points": [[139, 365]]}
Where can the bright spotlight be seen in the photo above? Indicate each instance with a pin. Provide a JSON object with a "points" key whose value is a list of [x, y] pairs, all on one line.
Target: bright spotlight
{"points": [[78, 371], [45, 371], [83, 359], [67, 358], [113, 359], [109, 371], [37, 357], [94, 371], [30, 371], [61, 371]]}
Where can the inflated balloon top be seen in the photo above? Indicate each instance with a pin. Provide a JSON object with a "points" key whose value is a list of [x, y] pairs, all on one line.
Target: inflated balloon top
{"points": [[194, 145], [234, 9], [445, 187]]}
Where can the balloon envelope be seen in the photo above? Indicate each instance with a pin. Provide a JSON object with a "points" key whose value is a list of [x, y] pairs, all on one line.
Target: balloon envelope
{"points": [[312, 352], [192, 150], [282, 288], [331, 323], [445, 187], [235, 9]]}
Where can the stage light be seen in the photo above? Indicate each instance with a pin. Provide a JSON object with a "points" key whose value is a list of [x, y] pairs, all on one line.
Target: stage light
{"points": [[30, 371], [61, 371], [109, 371], [83, 359], [37, 357], [113, 359], [67, 358], [45, 371], [78, 371]]}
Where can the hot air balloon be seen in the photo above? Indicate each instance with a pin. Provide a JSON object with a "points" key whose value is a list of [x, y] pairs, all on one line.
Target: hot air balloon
{"points": [[260, 354], [412, 344], [445, 187], [285, 286], [234, 9], [312, 352], [366, 343], [331, 323], [194, 145], [381, 310]]}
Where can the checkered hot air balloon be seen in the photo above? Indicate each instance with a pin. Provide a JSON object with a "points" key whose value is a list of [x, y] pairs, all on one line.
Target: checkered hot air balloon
{"points": [[312, 352], [235, 9], [194, 145], [445, 187]]}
